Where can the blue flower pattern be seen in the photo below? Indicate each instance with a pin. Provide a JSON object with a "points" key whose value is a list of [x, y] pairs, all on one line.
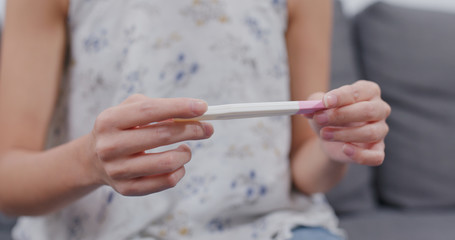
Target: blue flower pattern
{"points": [[96, 41], [251, 187]]}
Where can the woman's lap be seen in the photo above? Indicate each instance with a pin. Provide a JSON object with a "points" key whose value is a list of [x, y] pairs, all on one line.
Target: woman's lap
{"points": [[310, 233]]}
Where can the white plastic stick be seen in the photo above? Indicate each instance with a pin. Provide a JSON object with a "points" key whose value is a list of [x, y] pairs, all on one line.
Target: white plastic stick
{"points": [[264, 109]]}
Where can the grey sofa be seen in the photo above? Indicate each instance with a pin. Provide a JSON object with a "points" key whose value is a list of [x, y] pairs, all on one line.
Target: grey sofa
{"points": [[410, 53], [6, 224]]}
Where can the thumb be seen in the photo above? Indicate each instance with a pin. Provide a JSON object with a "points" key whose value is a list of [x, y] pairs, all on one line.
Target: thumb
{"points": [[314, 96]]}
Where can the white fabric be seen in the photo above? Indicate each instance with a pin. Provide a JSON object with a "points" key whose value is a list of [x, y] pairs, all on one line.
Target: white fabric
{"points": [[2, 13], [238, 183]]}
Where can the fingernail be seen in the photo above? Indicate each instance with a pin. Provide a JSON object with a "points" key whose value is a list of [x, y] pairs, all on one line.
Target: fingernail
{"points": [[327, 135], [198, 106], [348, 150], [183, 148], [208, 129], [322, 118], [330, 100]]}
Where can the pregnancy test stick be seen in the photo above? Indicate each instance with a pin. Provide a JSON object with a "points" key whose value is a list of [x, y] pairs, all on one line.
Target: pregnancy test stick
{"points": [[264, 109]]}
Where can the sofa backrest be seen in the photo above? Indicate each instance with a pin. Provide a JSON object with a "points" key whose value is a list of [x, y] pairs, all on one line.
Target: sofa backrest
{"points": [[410, 53]]}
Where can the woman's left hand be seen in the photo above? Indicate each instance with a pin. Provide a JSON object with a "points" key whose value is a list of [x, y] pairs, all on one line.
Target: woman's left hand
{"points": [[353, 127]]}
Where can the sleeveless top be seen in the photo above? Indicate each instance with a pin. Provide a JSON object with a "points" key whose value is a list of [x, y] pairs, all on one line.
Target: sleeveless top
{"points": [[238, 183]]}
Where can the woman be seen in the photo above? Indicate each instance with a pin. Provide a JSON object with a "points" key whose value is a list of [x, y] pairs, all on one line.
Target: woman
{"points": [[130, 64]]}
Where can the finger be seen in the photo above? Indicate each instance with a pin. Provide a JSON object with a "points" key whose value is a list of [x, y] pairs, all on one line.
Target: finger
{"points": [[314, 96], [137, 140], [151, 184], [365, 111], [372, 156], [149, 164], [150, 110], [349, 94], [367, 133]]}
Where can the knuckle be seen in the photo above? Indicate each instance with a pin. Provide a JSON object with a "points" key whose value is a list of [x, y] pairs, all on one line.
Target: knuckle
{"points": [[375, 88], [125, 190], [188, 155], [163, 133], [374, 85], [131, 188], [148, 108], [340, 91], [115, 172], [315, 96], [173, 179], [184, 148], [169, 163], [370, 111], [373, 133], [104, 149], [336, 116], [364, 83], [386, 128], [185, 154], [388, 110], [346, 89], [355, 93], [104, 121]]}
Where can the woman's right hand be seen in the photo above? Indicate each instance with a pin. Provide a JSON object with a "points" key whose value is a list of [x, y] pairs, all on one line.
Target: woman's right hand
{"points": [[123, 133]]}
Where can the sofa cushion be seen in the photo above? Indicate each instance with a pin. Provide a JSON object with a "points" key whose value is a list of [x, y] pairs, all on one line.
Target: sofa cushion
{"points": [[355, 191], [6, 224], [400, 225], [410, 53]]}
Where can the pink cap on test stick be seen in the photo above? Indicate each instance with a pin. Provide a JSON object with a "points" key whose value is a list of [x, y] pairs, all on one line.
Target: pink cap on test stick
{"points": [[307, 107]]}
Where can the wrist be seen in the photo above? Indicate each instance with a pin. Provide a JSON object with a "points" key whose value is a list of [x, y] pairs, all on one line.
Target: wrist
{"points": [[85, 155], [313, 170]]}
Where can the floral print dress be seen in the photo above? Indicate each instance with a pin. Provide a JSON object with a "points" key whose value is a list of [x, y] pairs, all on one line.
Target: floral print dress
{"points": [[238, 184]]}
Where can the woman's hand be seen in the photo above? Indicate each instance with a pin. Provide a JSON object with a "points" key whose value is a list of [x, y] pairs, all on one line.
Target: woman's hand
{"points": [[123, 133], [353, 127]]}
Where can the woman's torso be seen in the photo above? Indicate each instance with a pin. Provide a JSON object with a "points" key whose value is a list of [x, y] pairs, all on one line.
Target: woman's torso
{"points": [[238, 183]]}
